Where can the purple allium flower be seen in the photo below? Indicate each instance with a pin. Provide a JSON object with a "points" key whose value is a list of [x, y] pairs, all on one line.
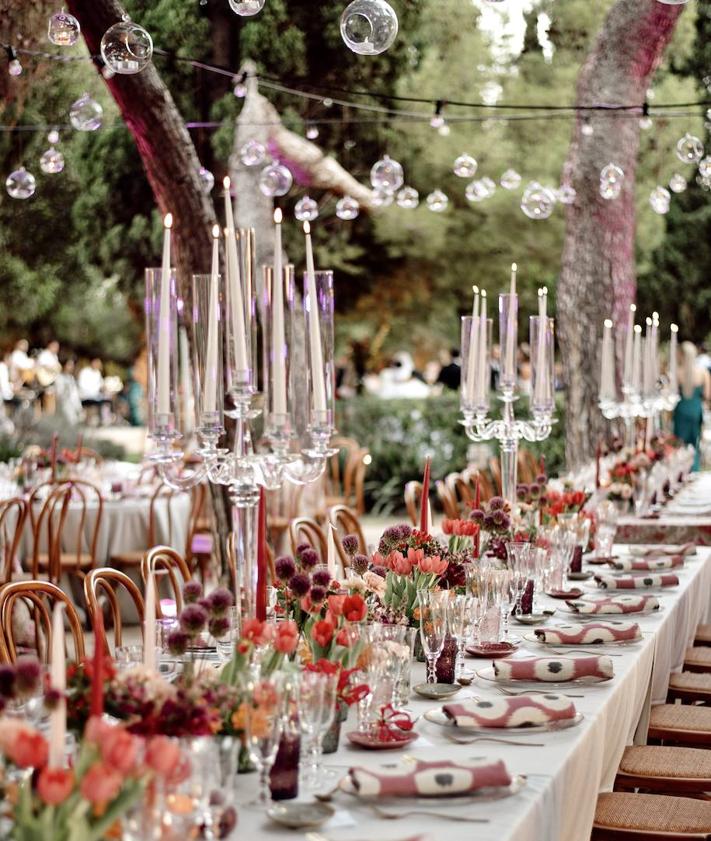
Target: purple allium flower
{"points": [[7, 681], [521, 491], [192, 590], [218, 626], [378, 570], [477, 515], [541, 479], [322, 577], [535, 490], [391, 534], [498, 518], [496, 502], [27, 674], [350, 544], [178, 642], [220, 600], [299, 584], [317, 594], [285, 567], [309, 558], [488, 522], [359, 563], [404, 531], [52, 697], [506, 522], [204, 603], [193, 618], [301, 548]]}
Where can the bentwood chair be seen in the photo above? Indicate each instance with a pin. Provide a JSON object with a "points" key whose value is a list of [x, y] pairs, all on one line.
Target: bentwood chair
{"points": [[447, 500], [307, 530], [165, 563], [413, 500], [685, 725], [495, 470], [486, 489], [345, 475], [105, 582], [690, 688], [345, 522], [38, 599], [13, 514], [664, 770], [162, 496], [620, 816]]}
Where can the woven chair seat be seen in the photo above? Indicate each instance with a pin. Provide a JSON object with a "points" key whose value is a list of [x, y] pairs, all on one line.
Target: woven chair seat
{"points": [[698, 657], [703, 634], [682, 722], [693, 681], [652, 813], [663, 761]]}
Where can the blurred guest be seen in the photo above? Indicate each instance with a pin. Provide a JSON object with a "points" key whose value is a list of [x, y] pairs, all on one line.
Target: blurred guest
{"points": [[48, 367], [91, 389], [7, 392], [703, 360], [399, 380], [495, 369], [68, 407], [450, 375], [21, 366], [525, 372], [695, 387]]}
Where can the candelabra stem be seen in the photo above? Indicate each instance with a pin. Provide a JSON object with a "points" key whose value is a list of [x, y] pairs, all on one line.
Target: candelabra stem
{"points": [[630, 432], [509, 463], [244, 520]]}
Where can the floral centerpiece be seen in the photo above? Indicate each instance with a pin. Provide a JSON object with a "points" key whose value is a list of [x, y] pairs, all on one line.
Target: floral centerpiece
{"points": [[496, 524]]}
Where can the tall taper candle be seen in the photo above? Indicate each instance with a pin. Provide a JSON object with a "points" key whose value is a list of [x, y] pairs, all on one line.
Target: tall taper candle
{"points": [[541, 367], [164, 331], [278, 331], [425, 495], [149, 624], [472, 372], [234, 286], [212, 350], [482, 385], [673, 376], [318, 383], [260, 601], [97, 675], [331, 556], [58, 681], [509, 371], [607, 364], [629, 341], [637, 360]]}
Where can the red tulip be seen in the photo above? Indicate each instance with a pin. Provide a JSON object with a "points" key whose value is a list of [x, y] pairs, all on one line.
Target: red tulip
{"points": [[119, 750], [354, 608], [54, 785], [287, 637], [28, 749], [162, 754], [322, 633], [101, 783]]}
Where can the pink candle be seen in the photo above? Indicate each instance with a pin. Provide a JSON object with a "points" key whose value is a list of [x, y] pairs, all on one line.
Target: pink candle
{"points": [[425, 496]]}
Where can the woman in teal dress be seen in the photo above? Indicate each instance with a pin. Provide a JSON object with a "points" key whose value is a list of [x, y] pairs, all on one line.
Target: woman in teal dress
{"points": [[695, 390]]}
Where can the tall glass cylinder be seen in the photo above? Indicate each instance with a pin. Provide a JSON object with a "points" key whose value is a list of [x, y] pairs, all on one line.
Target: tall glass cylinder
{"points": [[161, 307], [483, 382], [240, 328], [321, 366], [208, 321], [248, 266], [508, 339], [244, 519], [276, 338], [542, 365], [470, 356]]}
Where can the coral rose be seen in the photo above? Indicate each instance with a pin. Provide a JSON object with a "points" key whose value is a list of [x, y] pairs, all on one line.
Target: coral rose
{"points": [[162, 755], [322, 633], [54, 785], [100, 784], [119, 749], [27, 748], [354, 608]]}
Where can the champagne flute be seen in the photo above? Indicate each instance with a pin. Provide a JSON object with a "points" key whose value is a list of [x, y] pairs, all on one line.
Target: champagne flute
{"points": [[433, 626]]}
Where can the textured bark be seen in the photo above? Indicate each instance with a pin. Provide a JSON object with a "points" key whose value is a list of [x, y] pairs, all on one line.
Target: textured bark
{"points": [[598, 266]]}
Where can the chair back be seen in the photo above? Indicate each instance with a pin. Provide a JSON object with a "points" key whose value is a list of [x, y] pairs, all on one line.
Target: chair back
{"points": [[106, 581], [39, 598], [198, 498], [470, 475], [13, 514], [413, 499], [163, 559], [163, 495], [345, 521], [307, 530], [448, 500], [336, 466], [495, 470], [354, 479]]}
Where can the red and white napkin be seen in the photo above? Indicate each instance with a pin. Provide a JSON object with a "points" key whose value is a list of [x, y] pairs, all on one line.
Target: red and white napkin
{"points": [[591, 633], [597, 603], [661, 550], [636, 582], [522, 711], [554, 669], [647, 564], [429, 779]]}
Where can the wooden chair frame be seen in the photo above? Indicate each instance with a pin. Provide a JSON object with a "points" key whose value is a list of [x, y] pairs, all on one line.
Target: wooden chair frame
{"points": [[345, 521], [11, 543], [413, 498], [161, 493], [167, 559], [448, 500], [107, 580], [313, 535]]}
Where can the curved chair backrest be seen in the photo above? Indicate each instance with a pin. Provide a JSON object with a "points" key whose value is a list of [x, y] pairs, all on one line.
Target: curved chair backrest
{"points": [[413, 498], [167, 560], [448, 500], [460, 489], [162, 495], [307, 530], [495, 470], [106, 581], [345, 521], [336, 467], [13, 513], [39, 597], [470, 476]]}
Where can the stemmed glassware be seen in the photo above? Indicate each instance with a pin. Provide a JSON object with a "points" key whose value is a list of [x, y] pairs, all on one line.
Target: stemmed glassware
{"points": [[316, 702], [264, 720], [433, 626], [520, 564], [461, 612]]}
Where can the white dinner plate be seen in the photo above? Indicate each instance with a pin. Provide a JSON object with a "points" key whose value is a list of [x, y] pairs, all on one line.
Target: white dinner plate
{"points": [[437, 716]]}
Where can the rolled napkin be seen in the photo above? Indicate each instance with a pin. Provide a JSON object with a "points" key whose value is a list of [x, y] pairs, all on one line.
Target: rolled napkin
{"points": [[636, 582], [591, 633], [576, 562], [429, 779], [648, 564], [554, 669], [598, 604], [652, 551], [522, 711]]}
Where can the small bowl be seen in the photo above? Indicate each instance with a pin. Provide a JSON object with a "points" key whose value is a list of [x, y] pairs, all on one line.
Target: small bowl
{"points": [[436, 691], [574, 593], [369, 742], [300, 815], [492, 650], [533, 618], [579, 576]]}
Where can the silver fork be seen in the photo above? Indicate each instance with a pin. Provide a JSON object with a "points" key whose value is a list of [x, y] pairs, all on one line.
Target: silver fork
{"points": [[393, 816], [581, 651], [550, 691], [466, 740]]}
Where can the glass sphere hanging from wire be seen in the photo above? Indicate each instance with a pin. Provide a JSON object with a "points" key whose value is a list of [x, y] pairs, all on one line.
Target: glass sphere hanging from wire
{"points": [[465, 166], [275, 180], [677, 183], [126, 47], [52, 161], [689, 149], [387, 175], [510, 179], [660, 199], [347, 208], [63, 29], [437, 201], [246, 8], [538, 202], [253, 153], [566, 194], [408, 198], [86, 113], [20, 184], [306, 209], [369, 27], [705, 167], [382, 198], [207, 180]]}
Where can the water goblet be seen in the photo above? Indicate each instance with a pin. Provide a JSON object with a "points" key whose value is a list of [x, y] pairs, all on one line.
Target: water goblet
{"points": [[433, 627], [264, 721]]}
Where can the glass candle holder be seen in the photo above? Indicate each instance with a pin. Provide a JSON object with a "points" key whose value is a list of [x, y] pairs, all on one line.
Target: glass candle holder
{"points": [[481, 395], [208, 322], [321, 367], [277, 340], [542, 365], [508, 339], [161, 308], [248, 265], [240, 324]]}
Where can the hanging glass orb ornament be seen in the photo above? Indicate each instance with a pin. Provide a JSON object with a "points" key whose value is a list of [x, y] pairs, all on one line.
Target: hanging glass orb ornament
{"points": [[465, 166], [705, 167], [408, 198], [52, 161], [566, 194], [312, 132], [253, 153], [86, 113], [387, 175], [246, 8], [645, 123], [538, 202], [306, 209], [63, 29], [369, 27], [20, 184], [275, 180], [14, 67], [437, 201], [611, 179], [677, 183], [53, 137], [660, 199], [510, 179], [689, 149], [347, 208], [126, 47], [207, 180], [381, 198], [477, 191], [612, 172]]}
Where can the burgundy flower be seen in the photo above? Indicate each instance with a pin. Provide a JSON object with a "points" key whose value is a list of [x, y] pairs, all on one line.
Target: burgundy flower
{"points": [[535, 490], [317, 594], [498, 517], [27, 674], [359, 563], [192, 590], [220, 600], [193, 618], [301, 548], [477, 515], [350, 544], [7, 681], [309, 558], [496, 503], [299, 584], [541, 479], [521, 492], [178, 642], [322, 577], [489, 522], [218, 626], [285, 567], [379, 570], [52, 697]]}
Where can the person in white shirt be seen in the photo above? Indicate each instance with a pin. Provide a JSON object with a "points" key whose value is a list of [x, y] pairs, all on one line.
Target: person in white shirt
{"points": [[91, 382], [68, 406], [48, 365], [7, 392], [21, 366]]}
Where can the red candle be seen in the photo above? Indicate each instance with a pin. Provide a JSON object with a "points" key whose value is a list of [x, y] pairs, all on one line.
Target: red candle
{"points": [[53, 454], [424, 525], [261, 597], [598, 454], [97, 677]]}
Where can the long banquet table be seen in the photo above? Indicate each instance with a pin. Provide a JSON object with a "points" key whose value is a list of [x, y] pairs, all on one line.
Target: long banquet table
{"points": [[563, 777]]}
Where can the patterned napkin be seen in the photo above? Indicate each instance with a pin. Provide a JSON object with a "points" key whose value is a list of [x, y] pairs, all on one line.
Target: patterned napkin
{"points": [[522, 711], [648, 564], [429, 779], [590, 633], [554, 669], [636, 582], [597, 603], [655, 551]]}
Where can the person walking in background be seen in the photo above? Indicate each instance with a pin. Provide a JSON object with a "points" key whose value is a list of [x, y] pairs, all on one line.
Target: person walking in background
{"points": [[91, 390], [695, 388], [21, 366], [68, 408], [450, 375]]}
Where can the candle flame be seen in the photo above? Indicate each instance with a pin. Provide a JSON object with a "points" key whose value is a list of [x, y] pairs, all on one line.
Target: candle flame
{"points": [[168, 220], [226, 182], [649, 322], [514, 267], [216, 231], [277, 216], [307, 228], [675, 328], [608, 323]]}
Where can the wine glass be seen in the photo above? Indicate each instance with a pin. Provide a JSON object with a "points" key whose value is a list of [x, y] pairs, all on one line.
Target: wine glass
{"points": [[317, 707], [264, 720], [433, 626], [226, 643], [459, 618]]}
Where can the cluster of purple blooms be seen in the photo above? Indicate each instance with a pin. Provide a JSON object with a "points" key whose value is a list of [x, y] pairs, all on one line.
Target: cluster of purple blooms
{"points": [[300, 575], [19, 680], [533, 492], [493, 516], [201, 613]]}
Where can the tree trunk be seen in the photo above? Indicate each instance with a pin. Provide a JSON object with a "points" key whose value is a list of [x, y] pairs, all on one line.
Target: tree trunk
{"points": [[597, 278]]}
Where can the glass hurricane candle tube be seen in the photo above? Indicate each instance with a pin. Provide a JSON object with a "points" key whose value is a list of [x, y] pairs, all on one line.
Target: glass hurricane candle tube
{"points": [[321, 368], [208, 347], [508, 339], [241, 381], [542, 366], [474, 398], [162, 368], [277, 424]]}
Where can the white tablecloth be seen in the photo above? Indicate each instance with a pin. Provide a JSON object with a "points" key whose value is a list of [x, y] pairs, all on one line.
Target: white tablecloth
{"points": [[564, 776]]}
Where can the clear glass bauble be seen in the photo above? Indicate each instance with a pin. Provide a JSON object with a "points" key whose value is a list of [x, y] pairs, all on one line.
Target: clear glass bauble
{"points": [[610, 190], [510, 179], [52, 161], [477, 191], [86, 113], [408, 198], [53, 137], [538, 202], [126, 47], [465, 166], [660, 199], [207, 180], [63, 29], [566, 194], [612, 173], [387, 175], [587, 129], [677, 183], [645, 123], [312, 132], [689, 149], [705, 167], [20, 184], [275, 180], [369, 27], [347, 208], [253, 153], [381, 198], [306, 209], [246, 8], [437, 201], [489, 185]]}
